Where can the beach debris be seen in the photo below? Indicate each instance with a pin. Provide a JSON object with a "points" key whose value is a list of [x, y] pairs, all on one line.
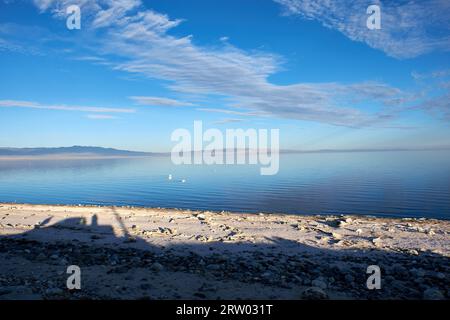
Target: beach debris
{"points": [[165, 230], [337, 222], [344, 222], [298, 226], [284, 269], [336, 236], [203, 238], [201, 217], [377, 241]]}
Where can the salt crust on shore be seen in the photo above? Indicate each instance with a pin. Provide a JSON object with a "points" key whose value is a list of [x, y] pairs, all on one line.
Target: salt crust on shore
{"points": [[143, 253]]}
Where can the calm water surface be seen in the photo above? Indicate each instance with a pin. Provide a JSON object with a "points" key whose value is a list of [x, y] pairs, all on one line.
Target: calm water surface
{"points": [[415, 184]]}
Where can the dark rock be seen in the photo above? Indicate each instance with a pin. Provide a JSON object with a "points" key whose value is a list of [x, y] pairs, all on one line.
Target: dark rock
{"points": [[314, 293], [433, 294]]}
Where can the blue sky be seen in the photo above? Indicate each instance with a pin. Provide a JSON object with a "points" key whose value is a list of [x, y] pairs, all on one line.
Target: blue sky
{"points": [[137, 70]]}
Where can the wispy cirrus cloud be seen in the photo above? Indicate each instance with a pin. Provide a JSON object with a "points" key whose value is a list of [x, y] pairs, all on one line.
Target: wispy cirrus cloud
{"points": [[137, 40], [143, 42], [234, 112], [437, 105], [437, 74], [437, 102], [159, 101], [14, 38], [93, 59], [408, 28], [35, 105]]}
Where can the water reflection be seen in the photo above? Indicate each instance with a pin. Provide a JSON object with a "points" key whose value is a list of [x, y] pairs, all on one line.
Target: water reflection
{"points": [[378, 183]]}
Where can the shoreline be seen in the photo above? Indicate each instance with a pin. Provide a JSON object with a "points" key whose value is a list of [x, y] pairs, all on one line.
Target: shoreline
{"points": [[256, 212], [186, 254]]}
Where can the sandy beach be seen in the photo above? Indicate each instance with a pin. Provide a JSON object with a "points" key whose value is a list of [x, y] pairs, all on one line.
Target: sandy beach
{"points": [[140, 253]]}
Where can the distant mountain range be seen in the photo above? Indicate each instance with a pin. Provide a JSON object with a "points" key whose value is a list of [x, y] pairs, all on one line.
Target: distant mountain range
{"points": [[71, 151], [99, 152]]}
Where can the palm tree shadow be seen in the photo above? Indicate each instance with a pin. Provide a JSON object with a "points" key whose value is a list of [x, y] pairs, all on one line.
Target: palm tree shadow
{"points": [[118, 264]]}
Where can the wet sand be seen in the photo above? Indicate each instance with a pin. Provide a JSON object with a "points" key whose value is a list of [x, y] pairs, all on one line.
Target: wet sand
{"points": [[140, 253]]}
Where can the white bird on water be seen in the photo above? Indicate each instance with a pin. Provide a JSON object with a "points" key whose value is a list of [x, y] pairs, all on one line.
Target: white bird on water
{"points": [[170, 177], [183, 180]]}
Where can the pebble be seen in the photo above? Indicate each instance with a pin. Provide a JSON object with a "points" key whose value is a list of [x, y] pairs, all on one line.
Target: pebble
{"points": [[433, 294], [314, 293], [41, 256], [213, 267], [165, 230], [157, 267], [54, 291], [399, 269], [377, 242], [340, 223], [319, 283], [349, 278], [440, 275], [418, 273]]}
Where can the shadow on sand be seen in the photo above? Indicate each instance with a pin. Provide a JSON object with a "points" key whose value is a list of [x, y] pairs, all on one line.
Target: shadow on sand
{"points": [[33, 266]]}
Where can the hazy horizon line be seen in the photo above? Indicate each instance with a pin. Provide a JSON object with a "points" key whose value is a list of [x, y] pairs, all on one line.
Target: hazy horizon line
{"points": [[324, 150]]}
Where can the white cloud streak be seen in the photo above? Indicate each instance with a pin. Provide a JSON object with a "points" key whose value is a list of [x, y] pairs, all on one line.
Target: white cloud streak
{"points": [[234, 112], [159, 101], [228, 120], [35, 105]]}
